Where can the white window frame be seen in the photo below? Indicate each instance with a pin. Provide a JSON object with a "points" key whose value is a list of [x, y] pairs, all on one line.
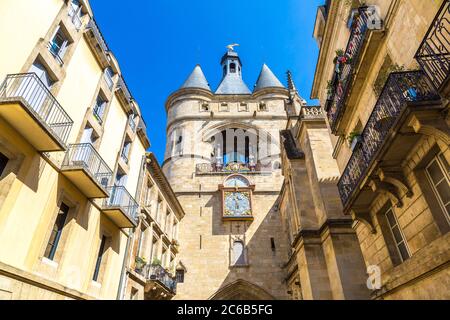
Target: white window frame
{"points": [[391, 227], [446, 177]]}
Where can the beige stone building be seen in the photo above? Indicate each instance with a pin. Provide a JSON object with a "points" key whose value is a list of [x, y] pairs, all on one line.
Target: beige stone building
{"points": [[153, 264], [223, 163], [72, 145], [325, 261], [382, 79]]}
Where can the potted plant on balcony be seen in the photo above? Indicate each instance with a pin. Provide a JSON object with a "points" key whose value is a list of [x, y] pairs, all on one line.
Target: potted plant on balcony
{"points": [[354, 138], [341, 59], [140, 263], [156, 262], [330, 89]]}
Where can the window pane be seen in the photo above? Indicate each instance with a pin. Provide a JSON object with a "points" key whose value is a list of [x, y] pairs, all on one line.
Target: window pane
{"points": [[3, 162], [99, 258], [443, 190], [57, 229], [391, 218], [397, 235], [435, 172], [444, 163], [403, 251]]}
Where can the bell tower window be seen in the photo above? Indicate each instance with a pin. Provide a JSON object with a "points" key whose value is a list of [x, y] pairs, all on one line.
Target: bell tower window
{"points": [[232, 67]]}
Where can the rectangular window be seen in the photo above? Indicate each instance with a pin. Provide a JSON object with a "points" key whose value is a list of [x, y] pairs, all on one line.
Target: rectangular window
{"points": [[58, 45], [75, 13], [243, 107], [438, 173], [397, 235], [56, 231], [98, 263], [99, 108], [126, 151], [167, 222], [3, 162], [154, 257], [175, 229], [223, 107], [109, 74], [180, 276]]}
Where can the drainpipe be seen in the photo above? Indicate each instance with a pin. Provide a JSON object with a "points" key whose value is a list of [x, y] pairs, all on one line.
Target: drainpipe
{"points": [[121, 289]]}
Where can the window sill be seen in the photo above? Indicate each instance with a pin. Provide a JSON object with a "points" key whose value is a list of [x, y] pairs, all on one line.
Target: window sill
{"points": [[49, 262]]}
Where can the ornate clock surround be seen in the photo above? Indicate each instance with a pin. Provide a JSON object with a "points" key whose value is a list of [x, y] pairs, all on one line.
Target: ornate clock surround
{"points": [[237, 195]]}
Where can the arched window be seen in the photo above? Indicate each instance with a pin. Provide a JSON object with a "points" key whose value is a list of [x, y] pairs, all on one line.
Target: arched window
{"points": [[237, 146], [232, 68], [238, 253]]}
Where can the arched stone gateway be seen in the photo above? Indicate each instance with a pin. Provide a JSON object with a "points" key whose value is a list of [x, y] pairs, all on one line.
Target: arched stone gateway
{"points": [[241, 290]]}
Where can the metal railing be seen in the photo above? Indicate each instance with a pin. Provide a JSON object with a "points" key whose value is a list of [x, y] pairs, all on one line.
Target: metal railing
{"points": [[344, 73], [92, 25], [74, 17], [434, 52], [400, 88], [84, 156], [122, 86], [160, 274], [121, 198], [37, 98]]}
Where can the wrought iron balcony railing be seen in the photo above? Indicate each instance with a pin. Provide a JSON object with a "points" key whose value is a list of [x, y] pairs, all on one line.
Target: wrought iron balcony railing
{"points": [[120, 198], [344, 71], [434, 52], [158, 273], [400, 89], [84, 156], [37, 98]]}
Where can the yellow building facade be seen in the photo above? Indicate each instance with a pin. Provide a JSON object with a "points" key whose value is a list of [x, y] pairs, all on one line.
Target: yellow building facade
{"points": [[382, 79], [72, 151]]}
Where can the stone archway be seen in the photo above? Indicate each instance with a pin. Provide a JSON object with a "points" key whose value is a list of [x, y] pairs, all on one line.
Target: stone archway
{"points": [[241, 290]]}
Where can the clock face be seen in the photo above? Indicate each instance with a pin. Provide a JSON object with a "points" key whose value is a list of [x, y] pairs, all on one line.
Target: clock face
{"points": [[237, 204]]}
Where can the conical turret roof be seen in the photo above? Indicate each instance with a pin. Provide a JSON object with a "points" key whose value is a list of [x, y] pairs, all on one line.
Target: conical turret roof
{"points": [[196, 80], [267, 79]]}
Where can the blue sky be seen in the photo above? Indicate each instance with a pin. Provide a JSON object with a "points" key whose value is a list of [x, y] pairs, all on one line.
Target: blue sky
{"points": [[158, 43]]}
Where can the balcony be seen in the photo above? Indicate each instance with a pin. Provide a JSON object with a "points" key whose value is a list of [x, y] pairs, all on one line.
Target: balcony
{"points": [[434, 52], [31, 109], [132, 123], [160, 284], [403, 94], [124, 94], [97, 43], [86, 169], [232, 167], [348, 64], [121, 207]]}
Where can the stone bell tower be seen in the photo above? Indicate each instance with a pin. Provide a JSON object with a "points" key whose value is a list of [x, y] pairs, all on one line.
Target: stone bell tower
{"points": [[223, 162]]}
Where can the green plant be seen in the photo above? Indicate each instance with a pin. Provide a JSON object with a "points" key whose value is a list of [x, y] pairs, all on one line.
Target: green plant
{"points": [[156, 262], [140, 262], [330, 88], [352, 136]]}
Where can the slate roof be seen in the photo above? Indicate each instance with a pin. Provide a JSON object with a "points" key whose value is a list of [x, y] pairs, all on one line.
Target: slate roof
{"points": [[196, 80]]}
